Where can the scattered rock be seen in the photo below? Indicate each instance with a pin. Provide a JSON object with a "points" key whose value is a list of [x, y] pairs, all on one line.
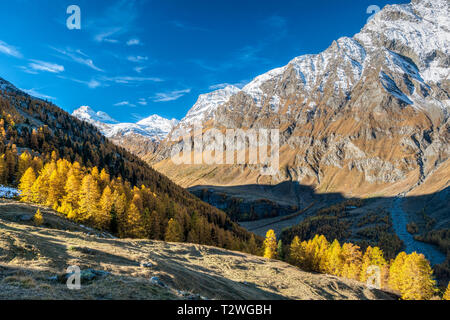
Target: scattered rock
{"points": [[53, 278], [157, 281], [146, 265], [84, 250], [25, 218], [183, 293], [192, 296]]}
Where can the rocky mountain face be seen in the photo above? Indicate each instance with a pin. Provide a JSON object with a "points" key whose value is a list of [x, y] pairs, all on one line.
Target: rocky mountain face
{"points": [[369, 115], [141, 138]]}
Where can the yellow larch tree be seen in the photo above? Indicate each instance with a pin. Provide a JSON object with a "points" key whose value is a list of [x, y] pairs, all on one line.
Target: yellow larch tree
{"points": [[70, 201], [351, 261], [372, 257], [447, 293], [417, 278], [89, 198], [134, 223], [103, 218], [174, 232], [26, 184], [334, 261], [296, 252], [38, 218], [270, 245]]}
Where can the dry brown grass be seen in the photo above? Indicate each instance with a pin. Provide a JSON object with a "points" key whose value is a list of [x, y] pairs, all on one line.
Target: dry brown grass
{"points": [[29, 255]]}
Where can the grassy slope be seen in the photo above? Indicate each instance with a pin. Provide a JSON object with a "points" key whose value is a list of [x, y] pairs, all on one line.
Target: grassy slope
{"points": [[30, 255]]}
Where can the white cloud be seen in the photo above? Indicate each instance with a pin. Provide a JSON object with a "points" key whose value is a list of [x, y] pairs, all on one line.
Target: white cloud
{"points": [[124, 103], [105, 36], [127, 79], [46, 66], [9, 50], [139, 69], [137, 58], [133, 42], [79, 57], [28, 70], [34, 93], [170, 96], [91, 84], [142, 102]]}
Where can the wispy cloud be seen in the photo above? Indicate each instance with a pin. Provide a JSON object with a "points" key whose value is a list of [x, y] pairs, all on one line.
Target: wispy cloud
{"points": [[128, 79], [124, 103], [122, 13], [239, 85], [92, 84], [79, 57], [105, 36], [207, 66], [134, 42], [276, 22], [139, 69], [137, 58], [183, 25], [170, 96], [142, 102], [10, 50], [28, 70], [35, 93], [39, 65]]}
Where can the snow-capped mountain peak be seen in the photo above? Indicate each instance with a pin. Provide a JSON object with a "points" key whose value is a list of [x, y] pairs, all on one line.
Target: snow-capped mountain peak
{"points": [[207, 104], [153, 127], [87, 114]]}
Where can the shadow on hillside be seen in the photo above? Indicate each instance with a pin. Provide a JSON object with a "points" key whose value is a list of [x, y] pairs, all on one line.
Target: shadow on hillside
{"points": [[257, 208], [293, 194]]}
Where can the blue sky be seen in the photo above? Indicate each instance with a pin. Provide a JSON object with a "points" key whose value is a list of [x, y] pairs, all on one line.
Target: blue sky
{"points": [[132, 59]]}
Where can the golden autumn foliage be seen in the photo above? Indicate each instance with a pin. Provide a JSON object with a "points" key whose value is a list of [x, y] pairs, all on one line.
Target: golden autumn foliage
{"points": [[174, 231], [94, 198], [35, 133], [411, 275], [38, 218], [270, 245], [447, 293], [27, 181]]}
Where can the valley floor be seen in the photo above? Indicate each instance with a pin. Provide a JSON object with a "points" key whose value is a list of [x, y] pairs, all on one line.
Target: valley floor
{"points": [[399, 219], [31, 258]]}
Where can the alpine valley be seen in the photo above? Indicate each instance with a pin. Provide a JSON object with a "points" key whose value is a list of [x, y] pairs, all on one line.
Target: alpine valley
{"points": [[364, 145], [366, 119]]}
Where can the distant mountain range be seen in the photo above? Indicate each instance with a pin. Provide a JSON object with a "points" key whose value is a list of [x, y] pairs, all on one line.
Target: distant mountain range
{"points": [[153, 127]]}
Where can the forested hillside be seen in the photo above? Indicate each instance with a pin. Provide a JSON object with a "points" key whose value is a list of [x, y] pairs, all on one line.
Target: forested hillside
{"points": [[69, 157]]}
